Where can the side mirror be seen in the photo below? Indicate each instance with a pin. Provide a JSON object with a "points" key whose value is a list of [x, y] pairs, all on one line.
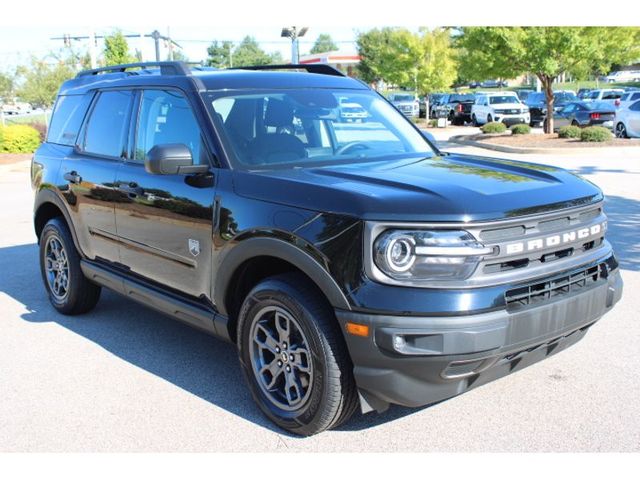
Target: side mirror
{"points": [[171, 159]]}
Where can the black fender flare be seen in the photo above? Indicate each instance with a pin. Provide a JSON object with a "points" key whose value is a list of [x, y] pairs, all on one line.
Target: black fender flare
{"points": [[274, 247], [49, 196]]}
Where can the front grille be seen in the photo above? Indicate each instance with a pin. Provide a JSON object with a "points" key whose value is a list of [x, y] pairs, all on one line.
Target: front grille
{"points": [[547, 290]]}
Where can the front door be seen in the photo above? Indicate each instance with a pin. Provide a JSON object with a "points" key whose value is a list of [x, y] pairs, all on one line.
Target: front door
{"points": [[165, 232]]}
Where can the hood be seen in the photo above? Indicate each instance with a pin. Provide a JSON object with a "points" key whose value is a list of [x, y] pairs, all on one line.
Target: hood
{"points": [[507, 106], [442, 188]]}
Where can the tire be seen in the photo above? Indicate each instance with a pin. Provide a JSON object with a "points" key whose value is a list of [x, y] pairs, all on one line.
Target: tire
{"points": [[474, 120], [574, 123], [621, 131], [325, 394], [70, 292], [489, 119]]}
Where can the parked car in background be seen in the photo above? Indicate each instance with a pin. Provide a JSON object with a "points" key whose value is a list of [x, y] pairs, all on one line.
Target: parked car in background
{"points": [[435, 100], [628, 98], [583, 92], [623, 76], [503, 107], [351, 112], [523, 93], [604, 94], [457, 107], [16, 108], [627, 120], [585, 114], [537, 103], [407, 103], [493, 84]]}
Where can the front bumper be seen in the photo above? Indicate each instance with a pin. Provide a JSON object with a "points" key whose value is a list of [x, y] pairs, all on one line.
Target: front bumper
{"points": [[416, 361], [509, 119]]}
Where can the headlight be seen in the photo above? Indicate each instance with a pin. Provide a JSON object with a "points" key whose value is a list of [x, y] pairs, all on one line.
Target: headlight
{"points": [[423, 255]]}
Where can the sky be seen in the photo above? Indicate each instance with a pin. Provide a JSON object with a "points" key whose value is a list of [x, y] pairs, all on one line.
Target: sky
{"points": [[18, 44]]}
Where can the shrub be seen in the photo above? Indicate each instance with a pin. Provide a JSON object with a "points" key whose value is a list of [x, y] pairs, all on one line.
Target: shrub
{"points": [[433, 122], [41, 128], [521, 129], [569, 131], [494, 127], [595, 134], [19, 139]]}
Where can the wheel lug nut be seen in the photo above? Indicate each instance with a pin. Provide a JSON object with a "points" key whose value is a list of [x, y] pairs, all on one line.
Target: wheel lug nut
{"points": [[277, 349], [279, 363], [288, 368], [284, 345], [291, 357]]}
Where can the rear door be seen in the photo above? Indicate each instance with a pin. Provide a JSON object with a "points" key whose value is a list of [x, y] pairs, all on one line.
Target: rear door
{"points": [[165, 229], [89, 174], [633, 117]]}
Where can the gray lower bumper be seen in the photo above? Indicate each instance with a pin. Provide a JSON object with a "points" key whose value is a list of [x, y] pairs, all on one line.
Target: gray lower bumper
{"points": [[416, 361]]}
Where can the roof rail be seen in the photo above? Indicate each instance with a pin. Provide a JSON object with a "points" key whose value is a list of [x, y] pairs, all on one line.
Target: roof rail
{"points": [[320, 68], [166, 68]]}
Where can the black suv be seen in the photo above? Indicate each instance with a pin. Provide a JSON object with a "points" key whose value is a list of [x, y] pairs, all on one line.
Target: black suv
{"points": [[353, 264]]}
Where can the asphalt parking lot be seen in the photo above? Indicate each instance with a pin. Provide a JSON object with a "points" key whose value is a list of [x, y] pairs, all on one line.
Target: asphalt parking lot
{"points": [[125, 378]]}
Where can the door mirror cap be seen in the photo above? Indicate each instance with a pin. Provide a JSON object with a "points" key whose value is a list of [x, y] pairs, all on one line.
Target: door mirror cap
{"points": [[171, 159]]}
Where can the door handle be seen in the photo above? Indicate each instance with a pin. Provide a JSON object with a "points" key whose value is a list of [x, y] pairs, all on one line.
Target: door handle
{"points": [[72, 177], [131, 188]]}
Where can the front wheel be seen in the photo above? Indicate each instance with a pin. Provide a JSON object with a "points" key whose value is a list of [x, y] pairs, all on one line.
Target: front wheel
{"points": [[294, 357], [621, 131], [474, 120]]}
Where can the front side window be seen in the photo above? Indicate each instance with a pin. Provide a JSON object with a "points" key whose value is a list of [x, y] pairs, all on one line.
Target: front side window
{"points": [[165, 116], [635, 107], [107, 126], [307, 127]]}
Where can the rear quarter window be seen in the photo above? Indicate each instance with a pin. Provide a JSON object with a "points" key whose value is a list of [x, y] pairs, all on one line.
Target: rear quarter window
{"points": [[68, 114]]}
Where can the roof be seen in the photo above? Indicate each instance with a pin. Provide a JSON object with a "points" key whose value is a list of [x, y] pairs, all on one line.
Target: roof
{"points": [[157, 74]]}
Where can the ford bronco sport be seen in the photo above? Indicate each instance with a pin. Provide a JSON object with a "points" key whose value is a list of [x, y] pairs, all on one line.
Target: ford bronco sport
{"points": [[353, 264]]}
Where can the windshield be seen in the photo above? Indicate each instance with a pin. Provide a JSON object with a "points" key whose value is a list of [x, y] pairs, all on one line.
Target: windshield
{"points": [[564, 97], [503, 99], [468, 97], [308, 127], [403, 98]]}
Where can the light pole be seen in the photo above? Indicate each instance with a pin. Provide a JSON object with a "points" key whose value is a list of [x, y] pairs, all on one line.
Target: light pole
{"points": [[294, 34]]}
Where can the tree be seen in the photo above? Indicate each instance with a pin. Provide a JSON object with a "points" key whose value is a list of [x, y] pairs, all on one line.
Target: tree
{"points": [[7, 87], [179, 56], [250, 53], [424, 61], [546, 52], [324, 43], [116, 49], [40, 82], [220, 54]]}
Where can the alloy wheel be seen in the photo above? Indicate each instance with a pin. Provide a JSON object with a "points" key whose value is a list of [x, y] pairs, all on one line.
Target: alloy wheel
{"points": [[280, 358], [621, 131], [57, 268]]}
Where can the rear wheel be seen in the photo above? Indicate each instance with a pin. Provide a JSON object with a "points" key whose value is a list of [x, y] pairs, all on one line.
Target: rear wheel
{"points": [[70, 292], [474, 120], [294, 357], [489, 119], [575, 123], [621, 131]]}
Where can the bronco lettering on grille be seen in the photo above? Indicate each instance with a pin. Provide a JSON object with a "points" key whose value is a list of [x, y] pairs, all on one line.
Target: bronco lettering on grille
{"points": [[555, 240]]}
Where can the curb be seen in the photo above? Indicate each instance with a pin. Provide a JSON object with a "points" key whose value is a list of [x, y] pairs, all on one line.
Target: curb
{"points": [[464, 140]]}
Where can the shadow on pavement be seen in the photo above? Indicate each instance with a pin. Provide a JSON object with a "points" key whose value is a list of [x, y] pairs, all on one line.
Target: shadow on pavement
{"points": [[624, 227], [191, 360]]}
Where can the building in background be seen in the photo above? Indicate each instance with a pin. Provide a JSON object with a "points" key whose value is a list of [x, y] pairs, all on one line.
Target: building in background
{"points": [[343, 61]]}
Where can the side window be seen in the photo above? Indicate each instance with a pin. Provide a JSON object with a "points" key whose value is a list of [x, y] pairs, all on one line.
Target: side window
{"points": [[569, 108], [635, 107], [166, 117], [107, 127], [68, 115]]}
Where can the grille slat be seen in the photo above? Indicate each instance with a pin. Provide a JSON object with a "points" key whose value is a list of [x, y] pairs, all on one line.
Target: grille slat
{"points": [[540, 292]]}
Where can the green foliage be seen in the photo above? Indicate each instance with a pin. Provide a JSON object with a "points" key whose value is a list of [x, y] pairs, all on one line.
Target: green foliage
{"points": [[250, 53], [178, 55], [423, 61], [41, 81], [569, 131], [521, 129], [219, 54], [7, 87], [19, 139], [494, 127], [116, 49], [547, 52], [324, 43], [595, 134], [433, 122]]}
